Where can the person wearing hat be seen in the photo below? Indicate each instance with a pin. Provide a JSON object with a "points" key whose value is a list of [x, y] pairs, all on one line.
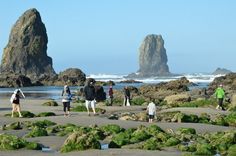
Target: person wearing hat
{"points": [[15, 101], [66, 94], [220, 94], [89, 93]]}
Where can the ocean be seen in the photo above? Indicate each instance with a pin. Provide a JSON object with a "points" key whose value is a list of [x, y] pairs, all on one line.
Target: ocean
{"points": [[54, 92]]}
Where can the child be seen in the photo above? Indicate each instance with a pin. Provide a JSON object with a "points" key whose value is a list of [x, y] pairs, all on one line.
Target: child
{"points": [[15, 100], [151, 110]]}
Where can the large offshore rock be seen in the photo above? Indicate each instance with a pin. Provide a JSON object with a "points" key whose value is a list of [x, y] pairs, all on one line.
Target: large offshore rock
{"points": [[26, 51], [221, 71], [152, 57], [71, 76]]}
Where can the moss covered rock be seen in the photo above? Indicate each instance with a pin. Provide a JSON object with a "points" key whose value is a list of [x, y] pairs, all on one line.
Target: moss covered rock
{"points": [[78, 142], [172, 141], [232, 150], [111, 129], [139, 135], [82, 108], [25, 114], [37, 132], [10, 142], [231, 119], [181, 117], [205, 149], [13, 126], [120, 139], [151, 144], [186, 131], [45, 114], [50, 103], [220, 120]]}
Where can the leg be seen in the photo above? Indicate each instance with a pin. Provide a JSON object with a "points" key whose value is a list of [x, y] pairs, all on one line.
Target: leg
{"points": [[64, 108], [87, 103], [125, 101], [221, 103], [19, 110], [13, 110], [111, 101], [68, 108], [93, 106]]}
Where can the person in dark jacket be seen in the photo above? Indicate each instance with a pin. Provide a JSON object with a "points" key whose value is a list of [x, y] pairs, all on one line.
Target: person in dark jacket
{"points": [[126, 96], [89, 93], [110, 93]]}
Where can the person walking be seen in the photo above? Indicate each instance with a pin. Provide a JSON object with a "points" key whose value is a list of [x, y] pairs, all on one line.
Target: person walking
{"points": [[89, 93], [126, 96], [15, 101], [151, 110], [220, 95], [110, 93], [66, 98]]}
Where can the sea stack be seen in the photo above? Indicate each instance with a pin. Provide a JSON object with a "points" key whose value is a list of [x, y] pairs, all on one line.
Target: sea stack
{"points": [[152, 57], [26, 51]]}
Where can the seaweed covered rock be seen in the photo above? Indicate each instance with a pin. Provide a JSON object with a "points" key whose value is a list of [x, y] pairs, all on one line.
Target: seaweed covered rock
{"points": [[139, 135], [50, 103], [13, 126], [78, 142]]}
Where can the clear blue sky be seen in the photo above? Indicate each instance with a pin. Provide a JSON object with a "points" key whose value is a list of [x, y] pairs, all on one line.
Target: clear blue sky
{"points": [[103, 36]]}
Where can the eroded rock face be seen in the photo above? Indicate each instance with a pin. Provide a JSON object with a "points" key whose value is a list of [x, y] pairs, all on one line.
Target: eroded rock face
{"points": [[26, 51], [152, 57]]}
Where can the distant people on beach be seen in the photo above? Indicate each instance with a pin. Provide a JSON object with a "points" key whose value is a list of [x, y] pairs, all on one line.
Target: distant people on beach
{"points": [[89, 93], [151, 110], [15, 101], [126, 96], [66, 98], [220, 95], [110, 93]]}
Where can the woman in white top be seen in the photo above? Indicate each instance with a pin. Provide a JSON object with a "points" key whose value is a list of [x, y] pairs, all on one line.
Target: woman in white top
{"points": [[66, 98]]}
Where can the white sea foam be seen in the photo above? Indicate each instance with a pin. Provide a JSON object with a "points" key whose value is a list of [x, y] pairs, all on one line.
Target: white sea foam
{"points": [[194, 77]]}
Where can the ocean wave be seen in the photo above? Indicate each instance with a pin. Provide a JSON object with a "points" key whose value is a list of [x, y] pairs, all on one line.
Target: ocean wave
{"points": [[192, 77]]}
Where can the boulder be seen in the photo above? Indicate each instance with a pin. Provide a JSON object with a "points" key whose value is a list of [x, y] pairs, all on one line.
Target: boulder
{"points": [[179, 98], [26, 51], [14, 80], [77, 142], [71, 76]]}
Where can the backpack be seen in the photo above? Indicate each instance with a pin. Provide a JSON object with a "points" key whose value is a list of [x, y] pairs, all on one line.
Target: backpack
{"points": [[13, 96]]}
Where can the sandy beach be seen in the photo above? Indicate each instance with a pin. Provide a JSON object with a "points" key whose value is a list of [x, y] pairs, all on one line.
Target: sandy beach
{"points": [[82, 119]]}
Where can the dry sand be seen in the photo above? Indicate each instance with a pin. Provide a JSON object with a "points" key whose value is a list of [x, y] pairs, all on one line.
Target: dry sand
{"points": [[55, 142]]}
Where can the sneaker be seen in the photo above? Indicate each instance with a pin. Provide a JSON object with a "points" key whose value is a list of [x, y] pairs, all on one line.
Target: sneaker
{"points": [[20, 116], [217, 107]]}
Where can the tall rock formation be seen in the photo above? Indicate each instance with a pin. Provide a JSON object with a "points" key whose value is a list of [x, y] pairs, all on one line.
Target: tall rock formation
{"points": [[152, 57], [26, 51]]}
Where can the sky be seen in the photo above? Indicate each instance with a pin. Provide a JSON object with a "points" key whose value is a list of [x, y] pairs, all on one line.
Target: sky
{"points": [[103, 36]]}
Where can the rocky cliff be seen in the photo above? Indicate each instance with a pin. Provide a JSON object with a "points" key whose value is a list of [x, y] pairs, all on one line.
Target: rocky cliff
{"points": [[26, 51], [152, 57]]}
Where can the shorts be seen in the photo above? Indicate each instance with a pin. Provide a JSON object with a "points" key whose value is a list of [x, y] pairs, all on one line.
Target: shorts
{"points": [[151, 116]]}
